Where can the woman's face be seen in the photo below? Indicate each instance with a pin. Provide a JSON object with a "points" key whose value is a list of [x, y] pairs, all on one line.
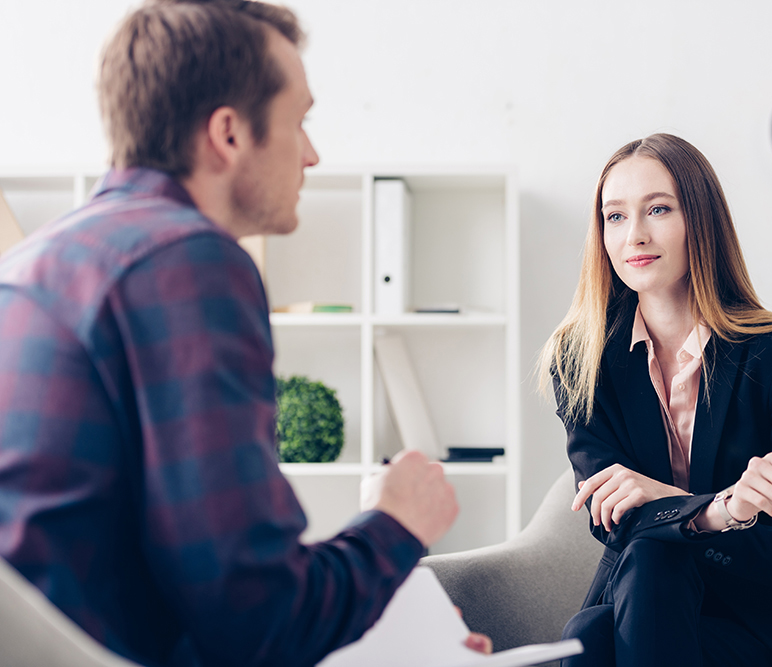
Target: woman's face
{"points": [[644, 230]]}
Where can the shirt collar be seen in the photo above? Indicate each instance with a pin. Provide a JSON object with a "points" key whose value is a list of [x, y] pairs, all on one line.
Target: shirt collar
{"points": [[695, 342], [640, 332], [140, 179]]}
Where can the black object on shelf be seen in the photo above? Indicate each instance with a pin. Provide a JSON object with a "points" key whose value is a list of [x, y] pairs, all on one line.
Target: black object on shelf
{"points": [[438, 309], [472, 454]]}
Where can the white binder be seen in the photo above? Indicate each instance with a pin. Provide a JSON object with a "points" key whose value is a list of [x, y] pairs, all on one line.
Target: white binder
{"points": [[392, 231]]}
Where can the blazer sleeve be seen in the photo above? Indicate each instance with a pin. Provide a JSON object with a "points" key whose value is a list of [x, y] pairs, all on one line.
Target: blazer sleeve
{"points": [[603, 442], [595, 446]]}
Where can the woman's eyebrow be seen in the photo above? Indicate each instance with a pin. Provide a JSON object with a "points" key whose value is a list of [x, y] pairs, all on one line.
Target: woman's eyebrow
{"points": [[648, 197], [657, 195]]}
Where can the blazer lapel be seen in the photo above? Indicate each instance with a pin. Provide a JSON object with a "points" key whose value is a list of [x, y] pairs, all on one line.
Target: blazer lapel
{"points": [[711, 414], [640, 407]]}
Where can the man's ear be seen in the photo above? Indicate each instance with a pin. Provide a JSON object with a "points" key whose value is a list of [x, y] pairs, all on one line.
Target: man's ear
{"points": [[228, 133]]}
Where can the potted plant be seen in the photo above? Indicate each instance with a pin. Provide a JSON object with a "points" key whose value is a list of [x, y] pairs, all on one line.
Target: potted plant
{"points": [[309, 421]]}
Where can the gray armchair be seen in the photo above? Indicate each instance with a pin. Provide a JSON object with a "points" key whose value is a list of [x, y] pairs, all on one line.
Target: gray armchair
{"points": [[34, 633], [524, 591]]}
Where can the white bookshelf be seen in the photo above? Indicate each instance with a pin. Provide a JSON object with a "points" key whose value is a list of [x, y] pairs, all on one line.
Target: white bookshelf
{"points": [[465, 250]]}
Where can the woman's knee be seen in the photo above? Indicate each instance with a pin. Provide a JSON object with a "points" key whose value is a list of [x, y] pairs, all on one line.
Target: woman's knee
{"points": [[596, 621], [594, 627], [647, 567], [655, 555]]}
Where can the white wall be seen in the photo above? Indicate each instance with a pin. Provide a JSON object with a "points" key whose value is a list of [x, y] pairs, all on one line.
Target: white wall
{"points": [[554, 86]]}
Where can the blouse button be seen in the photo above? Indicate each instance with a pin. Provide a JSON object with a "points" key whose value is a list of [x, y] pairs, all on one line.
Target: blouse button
{"points": [[684, 355], [681, 387]]}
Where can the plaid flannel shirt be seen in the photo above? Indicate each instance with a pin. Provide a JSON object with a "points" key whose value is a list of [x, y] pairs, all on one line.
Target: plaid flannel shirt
{"points": [[139, 484]]}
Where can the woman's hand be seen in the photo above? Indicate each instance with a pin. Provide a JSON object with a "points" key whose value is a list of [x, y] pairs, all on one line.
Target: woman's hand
{"points": [[616, 490], [753, 492]]}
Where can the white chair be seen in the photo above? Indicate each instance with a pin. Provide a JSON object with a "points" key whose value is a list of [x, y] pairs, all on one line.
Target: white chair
{"points": [[34, 633]]}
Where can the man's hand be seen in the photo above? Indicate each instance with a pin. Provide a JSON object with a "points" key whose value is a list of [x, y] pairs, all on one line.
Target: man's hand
{"points": [[413, 491], [480, 643], [616, 490], [753, 492], [476, 640]]}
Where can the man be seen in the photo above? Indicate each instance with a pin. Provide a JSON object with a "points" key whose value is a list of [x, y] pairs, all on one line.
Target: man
{"points": [[139, 487]]}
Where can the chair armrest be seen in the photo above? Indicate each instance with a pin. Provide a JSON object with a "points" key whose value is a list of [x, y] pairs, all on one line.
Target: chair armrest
{"points": [[33, 632]]}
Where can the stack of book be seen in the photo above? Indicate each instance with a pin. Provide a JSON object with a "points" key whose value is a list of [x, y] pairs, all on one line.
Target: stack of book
{"points": [[314, 307]]}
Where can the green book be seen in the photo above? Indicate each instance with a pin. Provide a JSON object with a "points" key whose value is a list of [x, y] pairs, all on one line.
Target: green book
{"points": [[332, 308]]}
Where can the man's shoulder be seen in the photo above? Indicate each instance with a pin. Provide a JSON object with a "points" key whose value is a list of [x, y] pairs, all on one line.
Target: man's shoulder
{"points": [[132, 214], [72, 264]]}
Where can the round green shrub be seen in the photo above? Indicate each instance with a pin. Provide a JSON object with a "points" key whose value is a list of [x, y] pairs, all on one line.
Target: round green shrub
{"points": [[309, 421]]}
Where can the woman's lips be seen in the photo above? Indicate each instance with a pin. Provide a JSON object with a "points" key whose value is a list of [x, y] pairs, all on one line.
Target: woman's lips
{"points": [[642, 260]]}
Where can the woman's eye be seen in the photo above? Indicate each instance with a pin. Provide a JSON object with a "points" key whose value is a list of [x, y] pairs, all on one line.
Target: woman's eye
{"points": [[659, 210], [614, 217]]}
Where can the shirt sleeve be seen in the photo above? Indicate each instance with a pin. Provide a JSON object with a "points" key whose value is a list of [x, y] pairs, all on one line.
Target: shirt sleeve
{"points": [[220, 521]]}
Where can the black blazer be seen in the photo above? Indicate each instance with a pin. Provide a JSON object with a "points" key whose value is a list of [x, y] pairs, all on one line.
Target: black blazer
{"points": [[733, 423]]}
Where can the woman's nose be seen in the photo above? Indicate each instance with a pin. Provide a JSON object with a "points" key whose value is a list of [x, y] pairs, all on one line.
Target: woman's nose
{"points": [[637, 233]]}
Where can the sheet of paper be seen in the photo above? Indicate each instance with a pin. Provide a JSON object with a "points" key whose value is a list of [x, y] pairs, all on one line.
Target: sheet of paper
{"points": [[535, 654], [420, 628]]}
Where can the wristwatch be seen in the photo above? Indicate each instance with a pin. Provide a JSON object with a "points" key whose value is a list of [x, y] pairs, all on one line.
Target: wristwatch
{"points": [[731, 523]]}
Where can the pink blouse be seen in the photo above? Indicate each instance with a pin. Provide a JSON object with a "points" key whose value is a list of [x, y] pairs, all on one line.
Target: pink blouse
{"points": [[678, 412]]}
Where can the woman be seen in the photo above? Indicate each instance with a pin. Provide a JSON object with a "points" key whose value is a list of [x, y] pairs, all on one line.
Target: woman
{"points": [[663, 377]]}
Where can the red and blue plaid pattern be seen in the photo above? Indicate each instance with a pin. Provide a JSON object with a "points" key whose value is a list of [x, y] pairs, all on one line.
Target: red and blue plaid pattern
{"points": [[139, 485]]}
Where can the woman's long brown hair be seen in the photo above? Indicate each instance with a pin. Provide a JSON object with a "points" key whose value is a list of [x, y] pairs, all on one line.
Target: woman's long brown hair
{"points": [[720, 289]]}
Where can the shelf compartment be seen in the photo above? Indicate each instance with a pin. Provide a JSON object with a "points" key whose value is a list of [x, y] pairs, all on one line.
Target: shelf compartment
{"points": [[482, 514], [341, 502], [453, 234], [458, 226], [462, 378], [330, 355], [322, 260]]}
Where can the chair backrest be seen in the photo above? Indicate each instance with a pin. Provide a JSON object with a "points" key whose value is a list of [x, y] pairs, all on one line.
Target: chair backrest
{"points": [[34, 633]]}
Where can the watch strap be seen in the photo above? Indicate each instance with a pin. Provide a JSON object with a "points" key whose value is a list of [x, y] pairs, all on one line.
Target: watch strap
{"points": [[731, 523]]}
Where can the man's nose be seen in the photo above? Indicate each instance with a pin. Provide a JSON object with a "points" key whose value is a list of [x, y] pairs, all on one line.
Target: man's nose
{"points": [[310, 156]]}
